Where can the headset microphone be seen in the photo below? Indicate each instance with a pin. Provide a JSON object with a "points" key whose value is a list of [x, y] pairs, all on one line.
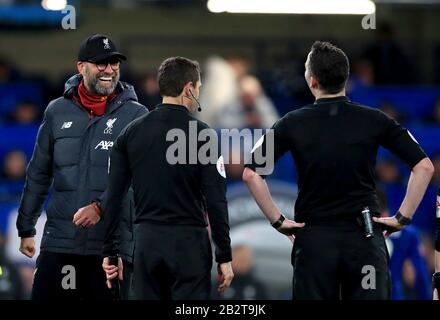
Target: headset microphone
{"points": [[199, 109]]}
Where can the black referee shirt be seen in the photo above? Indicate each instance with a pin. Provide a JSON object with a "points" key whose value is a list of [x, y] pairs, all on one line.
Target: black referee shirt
{"points": [[172, 194], [334, 144]]}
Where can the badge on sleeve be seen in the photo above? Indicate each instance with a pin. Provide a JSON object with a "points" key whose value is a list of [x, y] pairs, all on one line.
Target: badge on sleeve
{"points": [[258, 144], [412, 137], [221, 167], [438, 207]]}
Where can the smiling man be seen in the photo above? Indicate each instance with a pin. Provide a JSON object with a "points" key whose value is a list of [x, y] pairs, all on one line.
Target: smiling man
{"points": [[71, 154]]}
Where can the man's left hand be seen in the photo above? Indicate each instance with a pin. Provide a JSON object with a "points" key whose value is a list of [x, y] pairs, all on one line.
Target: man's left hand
{"points": [[86, 216], [111, 271], [289, 228]]}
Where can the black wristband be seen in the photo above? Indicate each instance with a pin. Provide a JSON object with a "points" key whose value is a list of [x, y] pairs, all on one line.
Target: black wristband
{"points": [[279, 222], [404, 221]]}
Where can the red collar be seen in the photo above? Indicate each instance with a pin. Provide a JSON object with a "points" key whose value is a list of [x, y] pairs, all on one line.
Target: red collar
{"points": [[94, 103]]}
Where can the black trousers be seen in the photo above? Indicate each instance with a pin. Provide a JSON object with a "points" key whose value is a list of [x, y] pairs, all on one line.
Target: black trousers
{"points": [[61, 276], [172, 262], [127, 282], [339, 262]]}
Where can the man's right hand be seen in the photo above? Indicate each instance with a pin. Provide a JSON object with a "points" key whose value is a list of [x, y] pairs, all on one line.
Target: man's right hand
{"points": [[225, 275], [27, 247], [435, 295], [86, 216]]}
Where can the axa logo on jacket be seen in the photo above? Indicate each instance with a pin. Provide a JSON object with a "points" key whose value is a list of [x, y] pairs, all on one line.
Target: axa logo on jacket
{"points": [[104, 145]]}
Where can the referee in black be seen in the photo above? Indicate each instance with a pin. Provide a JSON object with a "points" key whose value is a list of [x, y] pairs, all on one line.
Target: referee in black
{"points": [[172, 257], [339, 252]]}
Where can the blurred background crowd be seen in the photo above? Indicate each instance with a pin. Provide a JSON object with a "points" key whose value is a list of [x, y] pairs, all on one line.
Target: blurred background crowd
{"points": [[253, 74]]}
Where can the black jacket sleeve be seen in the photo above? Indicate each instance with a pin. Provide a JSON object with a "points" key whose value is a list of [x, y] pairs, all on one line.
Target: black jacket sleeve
{"points": [[400, 141], [38, 180], [268, 149], [119, 182], [214, 191]]}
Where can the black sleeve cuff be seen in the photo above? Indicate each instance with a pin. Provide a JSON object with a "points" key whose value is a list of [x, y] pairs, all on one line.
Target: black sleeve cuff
{"points": [[223, 257], [110, 252], [26, 234]]}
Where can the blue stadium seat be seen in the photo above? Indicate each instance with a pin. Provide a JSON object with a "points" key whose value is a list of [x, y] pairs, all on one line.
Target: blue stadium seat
{"points": [[5, 210], [17, 137], [413, 102], [428, 136], [14, 93]]}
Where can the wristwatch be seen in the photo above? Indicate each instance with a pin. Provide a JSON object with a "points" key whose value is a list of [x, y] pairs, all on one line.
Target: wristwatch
{"points": [[279, 222], [401, 219]]}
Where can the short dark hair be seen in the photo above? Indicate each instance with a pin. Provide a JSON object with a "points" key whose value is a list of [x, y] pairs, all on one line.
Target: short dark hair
{"points": [[174, 73], [329, 65]]}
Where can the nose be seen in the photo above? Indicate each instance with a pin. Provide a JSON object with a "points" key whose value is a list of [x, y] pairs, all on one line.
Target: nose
{"points": [[108, 68]]}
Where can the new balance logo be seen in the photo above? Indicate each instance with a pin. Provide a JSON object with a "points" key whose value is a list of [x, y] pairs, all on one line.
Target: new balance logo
{"points": [[66, 125], [104, 145]]}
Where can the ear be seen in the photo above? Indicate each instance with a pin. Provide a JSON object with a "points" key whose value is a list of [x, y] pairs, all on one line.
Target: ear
{"points": [[80, 66], [187, 89], [313, 83]]}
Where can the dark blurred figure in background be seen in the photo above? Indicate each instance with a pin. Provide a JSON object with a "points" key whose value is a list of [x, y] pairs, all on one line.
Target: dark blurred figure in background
{"points": [[245, 285], [388, 172], [390, 180], [435, 116], [389, 63], [8, 72], [436, 162], [390, 110], [257, 109], [12, 176], [14, 166], [148, 90], [409, 272], [235, 99], [25, 113], [11, 286], [363, 75]]}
